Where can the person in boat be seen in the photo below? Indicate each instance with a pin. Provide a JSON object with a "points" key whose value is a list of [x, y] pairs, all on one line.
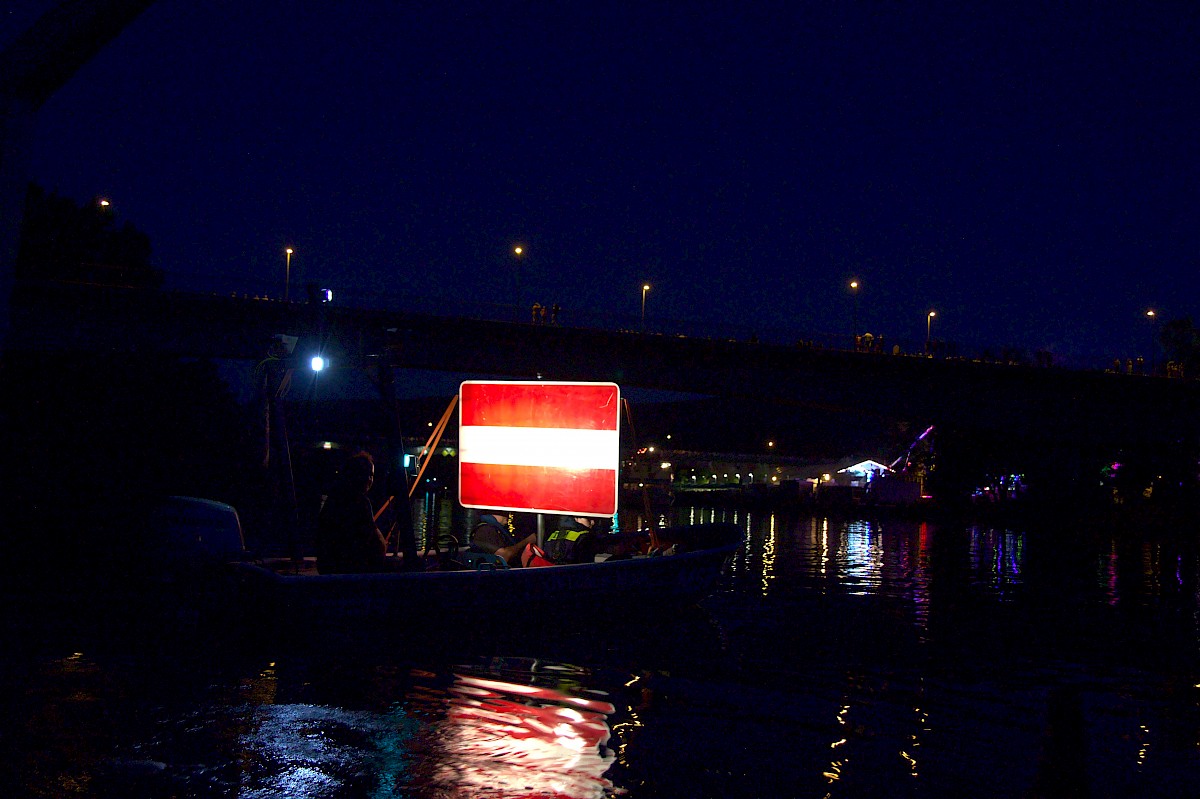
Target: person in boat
{"points": [[492, 536], [575, 541], [348, 541]]}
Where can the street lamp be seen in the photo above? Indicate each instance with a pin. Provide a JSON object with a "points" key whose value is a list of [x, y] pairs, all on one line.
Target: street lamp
{"points": [[854, 329], [928, 329], [517, 252], [1153, 317], [645, 288], [287, 274]]}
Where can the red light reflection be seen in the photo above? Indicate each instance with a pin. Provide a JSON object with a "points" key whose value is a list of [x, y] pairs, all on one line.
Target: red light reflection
{"points": [[514, 740]]}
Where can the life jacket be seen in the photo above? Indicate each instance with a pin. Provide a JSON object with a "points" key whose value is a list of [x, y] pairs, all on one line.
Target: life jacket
{"points": [[568, 545], [488, 537]]}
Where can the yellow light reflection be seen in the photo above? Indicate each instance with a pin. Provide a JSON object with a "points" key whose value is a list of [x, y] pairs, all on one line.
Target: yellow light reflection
{"points": [[1144, 749], [768, 573], [833, 772], [824, 546]]}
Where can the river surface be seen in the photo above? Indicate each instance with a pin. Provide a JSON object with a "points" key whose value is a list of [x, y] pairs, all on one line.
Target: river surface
{"points": [[838, 658]]}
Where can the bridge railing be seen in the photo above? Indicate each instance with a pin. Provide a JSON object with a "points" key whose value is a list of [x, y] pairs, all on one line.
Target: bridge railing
{"points": [[404, 301]]}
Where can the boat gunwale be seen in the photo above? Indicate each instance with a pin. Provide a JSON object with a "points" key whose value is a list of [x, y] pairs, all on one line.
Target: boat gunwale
{"points": [[724, 549]]}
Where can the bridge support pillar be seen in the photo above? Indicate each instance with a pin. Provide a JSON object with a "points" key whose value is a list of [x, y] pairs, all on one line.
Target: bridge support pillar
{"points": [[397, 486]]}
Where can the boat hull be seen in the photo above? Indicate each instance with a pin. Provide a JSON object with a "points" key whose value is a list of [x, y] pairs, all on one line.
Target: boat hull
{"points": [[487, 597]]}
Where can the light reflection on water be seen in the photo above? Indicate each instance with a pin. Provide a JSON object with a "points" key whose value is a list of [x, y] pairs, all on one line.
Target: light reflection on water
{"points": [[501, 727], [996, 556], [870, 558], [513, 738], [841, 658], [507, 728], [1074, 652], [304, 750]]}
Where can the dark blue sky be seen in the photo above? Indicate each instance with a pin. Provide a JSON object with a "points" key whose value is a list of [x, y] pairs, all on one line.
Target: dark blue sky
{"points": [[1030, 172]]}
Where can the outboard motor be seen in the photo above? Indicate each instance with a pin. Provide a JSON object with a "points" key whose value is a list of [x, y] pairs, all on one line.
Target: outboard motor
{"points": [[192, 533]]}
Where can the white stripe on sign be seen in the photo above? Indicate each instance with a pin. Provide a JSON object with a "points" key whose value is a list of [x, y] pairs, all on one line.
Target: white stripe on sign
{"points": [[556, 448]]}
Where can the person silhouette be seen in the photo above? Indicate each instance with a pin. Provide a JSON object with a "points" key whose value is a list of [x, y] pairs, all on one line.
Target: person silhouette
{"points": [[347, 539]]}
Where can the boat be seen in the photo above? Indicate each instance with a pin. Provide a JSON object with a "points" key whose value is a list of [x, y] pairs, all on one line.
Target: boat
{"points": [[663, 569], [656, 569]]}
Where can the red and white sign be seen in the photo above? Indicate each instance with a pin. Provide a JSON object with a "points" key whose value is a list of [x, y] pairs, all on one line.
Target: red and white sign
{"points": [[539, 446]]}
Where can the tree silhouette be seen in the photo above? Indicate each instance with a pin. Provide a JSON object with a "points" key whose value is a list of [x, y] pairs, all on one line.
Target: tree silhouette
{"points": [[1181, 341], [63, 241]]}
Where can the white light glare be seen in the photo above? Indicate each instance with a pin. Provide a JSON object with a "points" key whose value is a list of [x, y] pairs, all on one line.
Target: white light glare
{"points": [[318, 363]]}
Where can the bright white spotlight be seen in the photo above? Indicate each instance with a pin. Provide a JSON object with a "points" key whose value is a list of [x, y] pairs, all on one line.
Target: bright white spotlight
{"points": [[318, 363]]}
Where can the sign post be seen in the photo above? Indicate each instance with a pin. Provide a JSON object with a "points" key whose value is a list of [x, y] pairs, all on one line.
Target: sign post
{"points": [[540, 447]]}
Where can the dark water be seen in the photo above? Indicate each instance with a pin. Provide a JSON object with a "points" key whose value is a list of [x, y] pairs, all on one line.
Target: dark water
{"points": [[839, 658]]}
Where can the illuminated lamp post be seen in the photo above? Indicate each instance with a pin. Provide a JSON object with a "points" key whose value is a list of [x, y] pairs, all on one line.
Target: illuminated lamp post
{"points": [[518, 251], [287, 274], [1152, 316], [929, 330], [854, 327], [645, 288]]}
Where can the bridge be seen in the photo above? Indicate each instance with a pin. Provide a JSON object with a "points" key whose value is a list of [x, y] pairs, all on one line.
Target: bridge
{"points": [[1008, 406], [1061, 423], [1067, 416]]}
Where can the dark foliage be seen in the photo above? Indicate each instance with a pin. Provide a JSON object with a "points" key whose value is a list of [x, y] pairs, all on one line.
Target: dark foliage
{"points": [[63, 241], [93, 441], [1181, 342]]}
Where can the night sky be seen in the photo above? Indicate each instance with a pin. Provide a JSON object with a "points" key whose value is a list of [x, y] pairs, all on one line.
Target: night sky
{"points": [[1030, 171]]}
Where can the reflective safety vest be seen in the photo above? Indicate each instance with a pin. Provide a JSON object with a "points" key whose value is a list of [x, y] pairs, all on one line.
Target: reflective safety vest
{"points": [[564, 546]]}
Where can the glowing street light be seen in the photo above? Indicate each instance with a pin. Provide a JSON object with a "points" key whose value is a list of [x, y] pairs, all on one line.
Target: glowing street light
{"points": [[645, 288], [854, 329], [928, 328], [518, 251], [1152, 316], [287, 274]]}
